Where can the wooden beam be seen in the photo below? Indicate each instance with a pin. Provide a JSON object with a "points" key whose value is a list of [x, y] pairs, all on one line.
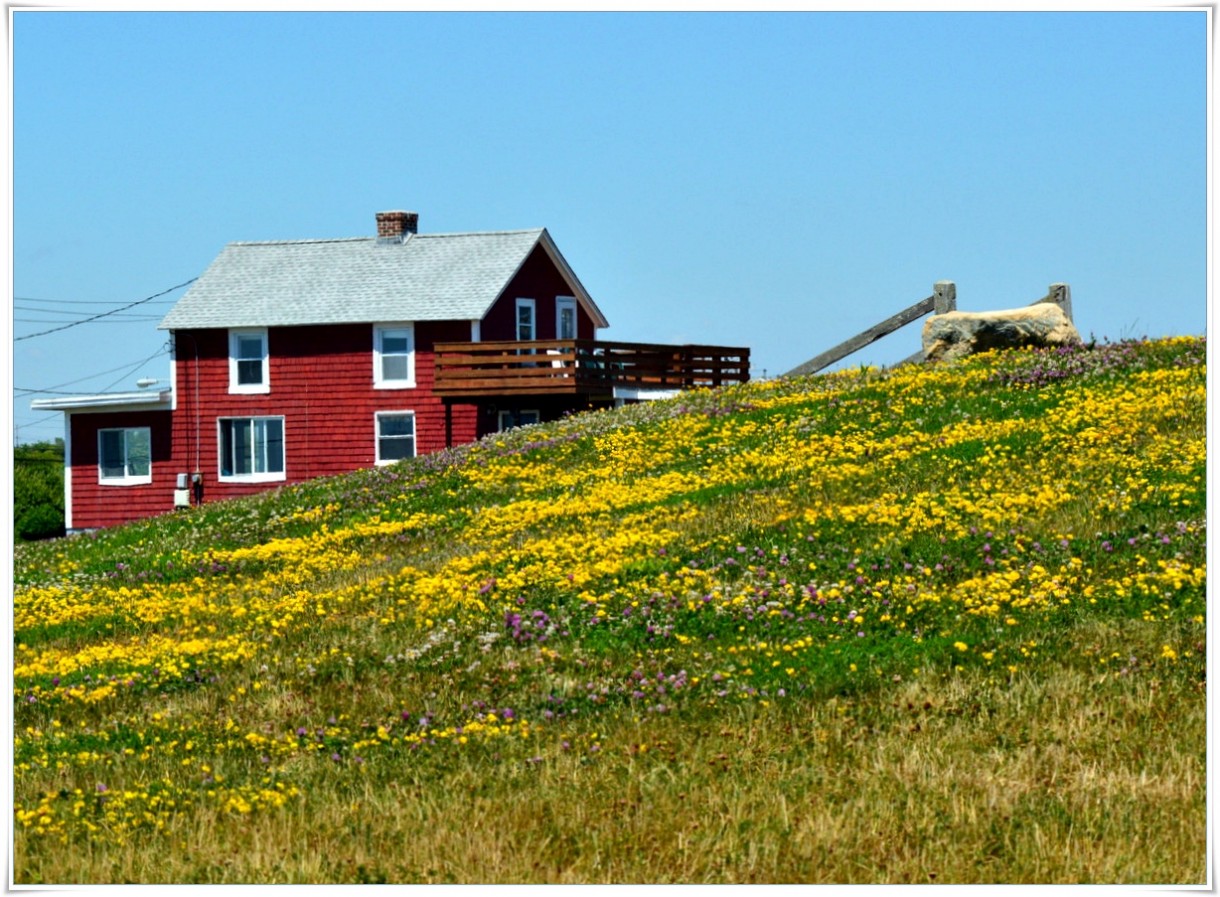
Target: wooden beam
{"points": [[860, 340], [1058, 294]]}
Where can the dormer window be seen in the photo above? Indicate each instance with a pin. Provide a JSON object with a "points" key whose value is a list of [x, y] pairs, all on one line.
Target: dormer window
{"points": [[394, 356], [248, 368]]}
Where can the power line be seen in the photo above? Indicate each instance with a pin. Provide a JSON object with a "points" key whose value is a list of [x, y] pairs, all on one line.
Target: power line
{"points": [[76, 301], [72, 313], [38, 421], [128, 370], [122, 367], [139, 364], [121, 319], [47, 392], [75, 312], [105, 314]]}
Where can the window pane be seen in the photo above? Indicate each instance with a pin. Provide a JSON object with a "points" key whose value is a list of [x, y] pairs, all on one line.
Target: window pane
{"points": [[243, 446], [226, 448], [111, 451], [396, 448], [249, 373], [567, 322], [250, 347], [394, 342], [270, 449], [275, 446], [397, 425], [139, 452], [395, 367]]}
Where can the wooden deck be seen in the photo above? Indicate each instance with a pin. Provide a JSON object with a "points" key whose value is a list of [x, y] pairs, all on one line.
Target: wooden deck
{"points": [[589, 368]]}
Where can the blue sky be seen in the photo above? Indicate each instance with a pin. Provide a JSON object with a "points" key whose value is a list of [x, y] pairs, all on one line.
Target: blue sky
{"points": [[780, 181]]}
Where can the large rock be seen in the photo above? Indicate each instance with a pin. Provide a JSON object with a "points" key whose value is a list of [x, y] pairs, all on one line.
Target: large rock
{"points": [[956, 334]]}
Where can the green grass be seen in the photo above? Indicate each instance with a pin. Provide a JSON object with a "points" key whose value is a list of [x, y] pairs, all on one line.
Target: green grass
{"points": [[931, 625]]}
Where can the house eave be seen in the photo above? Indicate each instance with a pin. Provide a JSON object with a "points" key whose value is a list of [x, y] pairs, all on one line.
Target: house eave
{"points": [[578, 289], [114, 401]]}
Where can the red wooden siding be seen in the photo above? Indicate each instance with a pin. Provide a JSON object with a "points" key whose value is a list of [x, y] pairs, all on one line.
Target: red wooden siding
{"points": [[96, 505], [322, 385]]}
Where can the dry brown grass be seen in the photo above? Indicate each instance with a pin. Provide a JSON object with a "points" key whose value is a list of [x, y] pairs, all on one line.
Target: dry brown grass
{"points": [[950, 777]]}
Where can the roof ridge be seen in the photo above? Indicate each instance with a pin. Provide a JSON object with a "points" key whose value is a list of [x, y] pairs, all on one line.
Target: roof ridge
{"points": [[306, 242], [485, 233], [300, 242]]}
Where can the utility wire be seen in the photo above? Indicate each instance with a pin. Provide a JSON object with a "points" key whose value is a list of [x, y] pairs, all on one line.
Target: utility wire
{"points": [[54, 415], [105, 314], [121, 367], [76, 301], [47, 392], [128, 370], [74, 312], [125, 319], [139, 364]]}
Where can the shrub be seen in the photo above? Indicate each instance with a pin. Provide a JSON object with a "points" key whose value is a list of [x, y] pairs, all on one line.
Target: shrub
{"points": [[38, 490], [40, 522]]}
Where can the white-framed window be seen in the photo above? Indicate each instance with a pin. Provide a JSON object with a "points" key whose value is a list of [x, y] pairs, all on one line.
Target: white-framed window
{"points": [[394, 356], [124, 456], [565, 317], [248, 367], [526, 319], [506, 420], [526, 326], [395, 436], [251, 449]]}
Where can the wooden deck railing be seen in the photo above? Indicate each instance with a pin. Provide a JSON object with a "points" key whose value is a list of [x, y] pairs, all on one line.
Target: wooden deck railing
{"points": [[581, 367]]}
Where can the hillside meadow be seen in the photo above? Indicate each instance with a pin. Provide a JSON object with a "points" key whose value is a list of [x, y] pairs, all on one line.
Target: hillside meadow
{"points": [[931, 624]]}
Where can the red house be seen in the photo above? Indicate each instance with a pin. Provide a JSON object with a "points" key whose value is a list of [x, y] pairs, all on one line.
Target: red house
{"points": [[306, 358]]}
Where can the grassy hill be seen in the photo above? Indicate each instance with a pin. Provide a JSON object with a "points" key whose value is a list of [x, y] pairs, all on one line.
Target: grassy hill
{"points": [[939, 624]]}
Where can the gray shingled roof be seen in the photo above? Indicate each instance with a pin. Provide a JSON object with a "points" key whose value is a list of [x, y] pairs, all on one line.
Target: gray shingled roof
{"points": [[429, 277]]}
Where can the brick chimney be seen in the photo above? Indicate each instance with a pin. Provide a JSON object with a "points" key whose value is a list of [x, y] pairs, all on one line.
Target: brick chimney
{"points": [[395, 227]]}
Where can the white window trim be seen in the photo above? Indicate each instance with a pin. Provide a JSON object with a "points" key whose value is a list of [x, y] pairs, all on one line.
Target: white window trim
{"points": [[382, 462], [378, 380], [126, 479], [533, 307], [249, 388], [560, 303], [276, 476]]}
